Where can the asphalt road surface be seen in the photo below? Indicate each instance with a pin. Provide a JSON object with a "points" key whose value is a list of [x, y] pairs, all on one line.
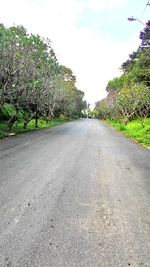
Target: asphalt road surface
{"points": [[75, 195]]}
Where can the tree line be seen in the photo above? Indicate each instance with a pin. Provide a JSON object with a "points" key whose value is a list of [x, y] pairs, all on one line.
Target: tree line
{"points": [[129, 95], [32, 82]]}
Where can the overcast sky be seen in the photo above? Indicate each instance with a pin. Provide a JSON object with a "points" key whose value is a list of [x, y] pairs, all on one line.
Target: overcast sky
{"points": [[92, 37]]}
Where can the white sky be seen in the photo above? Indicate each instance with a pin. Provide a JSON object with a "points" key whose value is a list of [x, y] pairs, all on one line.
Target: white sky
{"points": [[80, 38]]}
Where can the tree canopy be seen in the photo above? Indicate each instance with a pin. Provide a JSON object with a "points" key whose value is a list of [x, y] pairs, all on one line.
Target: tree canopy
{"points": [[129, 94], [32, 82]]}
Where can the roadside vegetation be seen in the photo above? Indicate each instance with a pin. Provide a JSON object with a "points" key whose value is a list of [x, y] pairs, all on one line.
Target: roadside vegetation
{"points": [[35, 90], [127, 105], [134, 129], [18, 126]]}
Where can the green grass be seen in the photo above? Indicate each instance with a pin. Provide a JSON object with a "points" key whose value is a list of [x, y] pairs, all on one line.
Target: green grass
{"points": [[18, 126], [134, 130]]}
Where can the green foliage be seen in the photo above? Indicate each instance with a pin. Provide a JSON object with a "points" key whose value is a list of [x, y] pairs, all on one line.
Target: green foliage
{"points": [[134, 130], [117, 124], [32, 83], [140, 71], [129, 95], [145, 35], [18, 126], [8, 109], [117, 83], [62, 117]]}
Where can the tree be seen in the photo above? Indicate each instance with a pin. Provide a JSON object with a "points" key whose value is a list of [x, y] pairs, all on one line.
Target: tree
{"points": [[142, 98], [28, 64], [117, 83], [11, 87], [126, 104], [145, 35], [32, 82], [128, 95]]}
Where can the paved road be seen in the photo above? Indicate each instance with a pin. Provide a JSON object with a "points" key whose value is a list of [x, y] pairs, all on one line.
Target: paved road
{"points": [[76, 195]]}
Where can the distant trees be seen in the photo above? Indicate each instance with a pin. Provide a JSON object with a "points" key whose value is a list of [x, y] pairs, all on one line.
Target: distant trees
{"points": [[32, 83], [129, 94]]}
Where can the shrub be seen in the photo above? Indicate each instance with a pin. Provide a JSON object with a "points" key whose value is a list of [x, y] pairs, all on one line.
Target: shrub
{"points": [[62, 117]]}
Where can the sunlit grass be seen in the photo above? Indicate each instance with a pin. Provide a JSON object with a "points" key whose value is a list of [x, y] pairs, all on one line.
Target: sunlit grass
{"points": [[134, 130], [18, 126]]}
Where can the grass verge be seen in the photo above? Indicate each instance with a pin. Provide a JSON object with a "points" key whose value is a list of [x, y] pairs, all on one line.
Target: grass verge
{"points": [[134, 130], [18, 126]]}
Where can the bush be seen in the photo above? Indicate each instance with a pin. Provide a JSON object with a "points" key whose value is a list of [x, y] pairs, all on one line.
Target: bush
{"points": [[134, 130], [62, 117]]}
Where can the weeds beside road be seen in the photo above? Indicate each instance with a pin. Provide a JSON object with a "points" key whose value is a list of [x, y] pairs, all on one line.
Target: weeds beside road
{"points": [[134, 130], [18, 126]]}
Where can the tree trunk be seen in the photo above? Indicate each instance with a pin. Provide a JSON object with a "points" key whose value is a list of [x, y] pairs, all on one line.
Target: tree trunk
{"points": [[26, 120], [36, 119], [143, 122], [48, 118], [25, 124], [125, 120], [11, 122]]}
